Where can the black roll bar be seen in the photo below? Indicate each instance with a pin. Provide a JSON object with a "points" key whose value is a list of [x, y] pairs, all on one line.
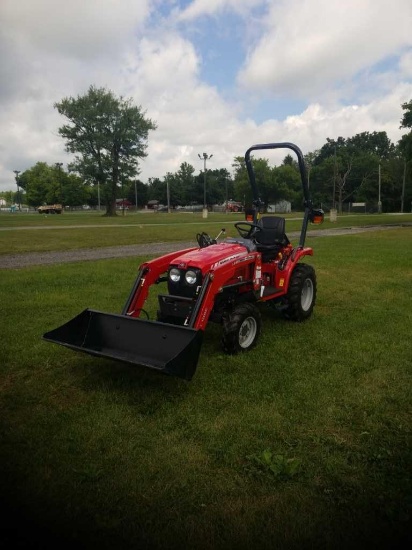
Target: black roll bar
{"points": [[257, 201]]}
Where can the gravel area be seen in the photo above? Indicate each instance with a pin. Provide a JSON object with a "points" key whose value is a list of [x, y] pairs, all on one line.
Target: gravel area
{"points": [[16, 261]]}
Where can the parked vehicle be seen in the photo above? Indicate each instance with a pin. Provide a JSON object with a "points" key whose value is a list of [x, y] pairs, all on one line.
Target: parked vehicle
{"points": [[221, 282], [50, 209], [233, 206]]}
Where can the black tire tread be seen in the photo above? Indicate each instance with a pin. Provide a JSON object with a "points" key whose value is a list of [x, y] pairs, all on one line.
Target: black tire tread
{"points": [[294, 312], [231, 325]]}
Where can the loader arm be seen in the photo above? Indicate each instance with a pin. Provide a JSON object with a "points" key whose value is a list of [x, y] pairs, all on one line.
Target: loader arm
{"points": [[148, 275]]}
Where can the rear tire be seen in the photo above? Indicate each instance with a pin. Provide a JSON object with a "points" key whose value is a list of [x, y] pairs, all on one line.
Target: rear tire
{"points": [[301, 295], [241, 328]]}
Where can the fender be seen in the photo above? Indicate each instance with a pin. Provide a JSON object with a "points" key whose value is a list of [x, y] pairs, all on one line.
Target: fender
{"points": [[283, 276]]}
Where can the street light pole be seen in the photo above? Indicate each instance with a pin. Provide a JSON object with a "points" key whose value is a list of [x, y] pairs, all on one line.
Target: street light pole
{"points": [[135, 194], [17, 172], [205, 157]]}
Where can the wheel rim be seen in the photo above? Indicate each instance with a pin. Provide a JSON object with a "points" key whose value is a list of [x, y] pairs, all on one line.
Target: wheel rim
{"points": [[247, 332], [307, 294]]}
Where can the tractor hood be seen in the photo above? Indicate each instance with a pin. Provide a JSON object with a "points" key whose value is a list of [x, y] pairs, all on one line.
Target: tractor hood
{"points": [[205, 258]]}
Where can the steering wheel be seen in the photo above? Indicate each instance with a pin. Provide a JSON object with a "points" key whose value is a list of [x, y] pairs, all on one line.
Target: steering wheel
{"points": [[247, 230], [203, 240]]}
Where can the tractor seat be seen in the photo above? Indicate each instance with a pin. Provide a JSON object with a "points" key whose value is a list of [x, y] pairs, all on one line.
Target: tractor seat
{"points": [[271, 238]]}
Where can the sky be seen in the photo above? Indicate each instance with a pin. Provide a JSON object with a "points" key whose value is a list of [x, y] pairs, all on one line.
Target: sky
{"points": [[217, 76]]}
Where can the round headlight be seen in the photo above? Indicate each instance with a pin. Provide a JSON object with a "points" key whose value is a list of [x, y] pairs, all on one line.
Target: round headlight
{"points": [[190, 277], [174, 275]]}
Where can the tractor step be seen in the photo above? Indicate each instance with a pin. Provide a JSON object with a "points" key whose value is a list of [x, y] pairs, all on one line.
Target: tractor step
{"points": [[270, 291], [167, 348]]}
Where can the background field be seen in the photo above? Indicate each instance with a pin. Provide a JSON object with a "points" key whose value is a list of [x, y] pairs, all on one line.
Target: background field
{"points": [[302, 443], [21, 232]]}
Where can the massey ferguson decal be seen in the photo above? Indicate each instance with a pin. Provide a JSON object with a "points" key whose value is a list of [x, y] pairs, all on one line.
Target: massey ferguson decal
{"points": [[227, 260]]}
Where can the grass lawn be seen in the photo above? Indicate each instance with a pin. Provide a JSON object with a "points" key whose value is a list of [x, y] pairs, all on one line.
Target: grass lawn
{"points": [[20, 233], [303, 442]]}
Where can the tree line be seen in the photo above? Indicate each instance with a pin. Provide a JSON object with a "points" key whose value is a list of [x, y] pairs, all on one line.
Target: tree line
{"points": [[108, 137]]}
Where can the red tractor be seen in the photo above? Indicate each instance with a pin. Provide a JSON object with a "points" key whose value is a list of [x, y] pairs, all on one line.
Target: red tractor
{"points": [[233, 206], [219, 282]]}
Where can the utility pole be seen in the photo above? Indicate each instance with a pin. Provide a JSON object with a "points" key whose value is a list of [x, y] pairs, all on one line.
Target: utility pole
{"points": [[334, 180], [403, 185], [379, 191], [135, 194], [205, 157], [226, 210], [122, 198], [168, 195], [59, 167], [17, 172]]}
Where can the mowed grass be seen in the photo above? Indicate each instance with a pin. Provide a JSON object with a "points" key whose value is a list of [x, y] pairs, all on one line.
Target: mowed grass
{"points": [[302, 443], [21, 233]]}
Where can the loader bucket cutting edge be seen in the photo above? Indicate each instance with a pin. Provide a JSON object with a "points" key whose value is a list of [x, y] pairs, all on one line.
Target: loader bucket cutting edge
{"points": [[167, 348]]}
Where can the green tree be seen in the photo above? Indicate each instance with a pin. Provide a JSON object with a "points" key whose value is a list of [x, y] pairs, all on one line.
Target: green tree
{"points": [[349, 168], [375, 143], [8, 196], [45, 184], [288, 184], [219, 184], [37, 183], [156, 190], [108, 136], [74, 191], [182, 185], [405, 143], [136, 190], [273, 183], [405, 149]]}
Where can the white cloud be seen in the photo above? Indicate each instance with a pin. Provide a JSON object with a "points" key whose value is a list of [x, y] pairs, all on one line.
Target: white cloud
{"points": [[161, 70], [198, 8], [82, 29], [163, 76], [405, 65], [307, 47]]}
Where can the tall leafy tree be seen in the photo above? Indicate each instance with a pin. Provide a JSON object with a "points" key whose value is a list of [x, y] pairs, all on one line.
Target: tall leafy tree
{"points": [[38, 183], [287, 184], [156, 190], [182, 185], [45, 184], [405, 143], [108, 136], [405, 149]]}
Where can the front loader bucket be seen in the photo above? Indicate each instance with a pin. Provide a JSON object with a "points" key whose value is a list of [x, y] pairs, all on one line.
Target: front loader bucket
{"points": [[167, 348]]}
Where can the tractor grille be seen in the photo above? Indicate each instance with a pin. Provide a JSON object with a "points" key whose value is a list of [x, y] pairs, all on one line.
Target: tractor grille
{"points": [[182, 287]]}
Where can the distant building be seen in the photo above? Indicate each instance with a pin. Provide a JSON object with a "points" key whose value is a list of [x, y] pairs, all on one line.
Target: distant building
{"points": [[280, 207], [123, 203]]}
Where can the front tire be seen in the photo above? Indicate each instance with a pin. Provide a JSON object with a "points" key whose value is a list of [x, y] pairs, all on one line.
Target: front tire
{"points": [[301, 295], [241, 328]]}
